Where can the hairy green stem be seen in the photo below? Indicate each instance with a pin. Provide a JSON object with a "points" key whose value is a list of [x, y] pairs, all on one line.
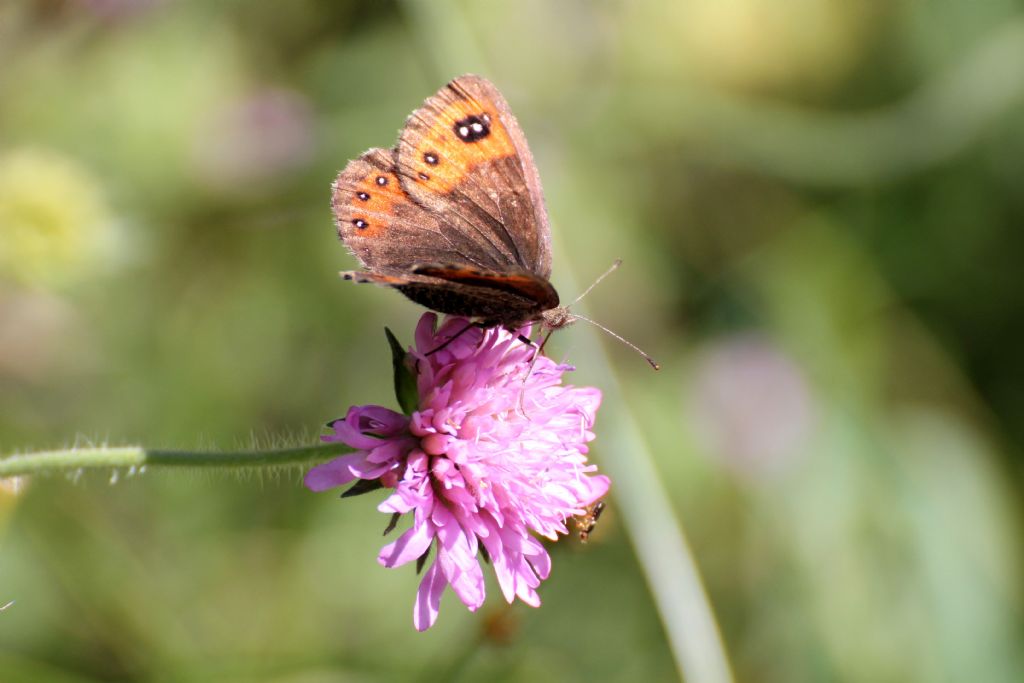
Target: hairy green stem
{"points": [[135, 456]]}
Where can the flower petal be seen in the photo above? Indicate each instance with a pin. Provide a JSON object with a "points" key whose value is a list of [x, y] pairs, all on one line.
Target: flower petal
{"points": [[337, 472], [428, 598], [456, 554], [409, 546], [365, 426]]}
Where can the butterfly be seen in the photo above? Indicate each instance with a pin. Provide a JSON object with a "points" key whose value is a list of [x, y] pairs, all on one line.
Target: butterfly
{"points": [[453, 216]]}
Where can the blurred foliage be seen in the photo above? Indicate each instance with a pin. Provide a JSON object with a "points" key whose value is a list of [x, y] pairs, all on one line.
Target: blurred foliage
{"points": [[816, 202]]}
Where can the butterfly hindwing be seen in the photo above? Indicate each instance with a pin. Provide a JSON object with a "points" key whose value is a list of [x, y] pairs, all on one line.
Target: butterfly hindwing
{"points": [[492, 305], [534, 291], [386, 230]]}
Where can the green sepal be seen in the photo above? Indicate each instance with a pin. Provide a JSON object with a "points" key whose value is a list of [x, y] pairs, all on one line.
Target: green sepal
{"points": [[405, 381], [362, 486]]}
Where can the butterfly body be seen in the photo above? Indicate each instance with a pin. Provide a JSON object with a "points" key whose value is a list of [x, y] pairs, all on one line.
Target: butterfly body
{"points": [[453, 216]]}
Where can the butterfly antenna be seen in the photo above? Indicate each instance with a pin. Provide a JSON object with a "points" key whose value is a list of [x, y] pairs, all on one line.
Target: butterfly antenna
{"points": [[628, 343], [616, 264]]}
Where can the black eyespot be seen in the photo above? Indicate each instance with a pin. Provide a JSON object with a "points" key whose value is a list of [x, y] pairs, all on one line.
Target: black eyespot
{"points": [[424, 176], [430, 158], [363, 195], [473, 128], [382, 181], [360, 223]]}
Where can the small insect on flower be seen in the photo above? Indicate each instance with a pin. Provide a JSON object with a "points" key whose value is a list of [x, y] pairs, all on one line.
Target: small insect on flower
{"points": [[489, 456], [588, 520]]}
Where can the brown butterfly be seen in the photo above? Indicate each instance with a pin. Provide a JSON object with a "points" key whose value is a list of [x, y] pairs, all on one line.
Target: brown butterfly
{"points": [[453, 217]]}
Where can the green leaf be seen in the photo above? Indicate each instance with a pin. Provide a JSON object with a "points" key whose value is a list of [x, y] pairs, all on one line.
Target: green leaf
{"points": [[405, 381]]}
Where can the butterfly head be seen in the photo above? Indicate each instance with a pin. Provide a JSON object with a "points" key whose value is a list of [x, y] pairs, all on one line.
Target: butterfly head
{"points": [[556, 318]]}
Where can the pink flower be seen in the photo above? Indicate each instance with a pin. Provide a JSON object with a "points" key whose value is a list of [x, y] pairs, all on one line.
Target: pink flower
{"points": [[495, 454]]}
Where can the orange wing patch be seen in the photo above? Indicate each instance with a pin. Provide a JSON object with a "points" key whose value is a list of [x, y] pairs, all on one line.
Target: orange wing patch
{"points": [[376, 195], [367, 195], [454, 139]]}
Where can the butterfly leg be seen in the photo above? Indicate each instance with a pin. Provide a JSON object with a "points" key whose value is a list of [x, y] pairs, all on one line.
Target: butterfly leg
{"points": [[540, 349], [452, 338], [529, 370]]}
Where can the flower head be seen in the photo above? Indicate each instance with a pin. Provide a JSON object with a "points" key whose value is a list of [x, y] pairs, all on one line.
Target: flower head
{"points": [[494, 453]]}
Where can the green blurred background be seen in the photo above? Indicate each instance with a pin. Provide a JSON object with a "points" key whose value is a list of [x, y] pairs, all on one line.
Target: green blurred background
{"points": [[815, 202]]}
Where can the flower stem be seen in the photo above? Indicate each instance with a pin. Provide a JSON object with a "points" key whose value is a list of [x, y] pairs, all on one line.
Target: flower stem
{"points": [[137, 456]]}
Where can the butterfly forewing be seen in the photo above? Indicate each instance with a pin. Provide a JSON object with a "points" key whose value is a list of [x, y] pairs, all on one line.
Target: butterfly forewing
{"points": [[463, 156]]}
